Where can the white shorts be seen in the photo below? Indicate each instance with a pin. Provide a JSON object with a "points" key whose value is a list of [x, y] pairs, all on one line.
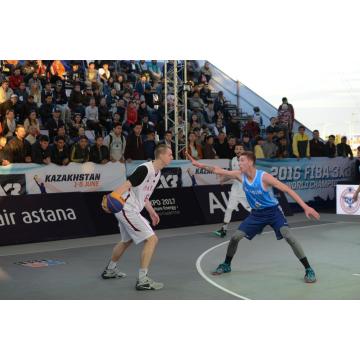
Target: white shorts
{"points": [[133, 226], [238, 197]]}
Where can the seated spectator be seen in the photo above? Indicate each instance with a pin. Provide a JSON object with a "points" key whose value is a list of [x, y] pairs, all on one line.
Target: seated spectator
{"points": [[343, 149], [251, 128], [34, 80], [134, 149], [231, 147], [209, 150], [80, 150], [209, 115], [119, 84], [258, 148], [330, 147], [219, 127], [269, 148], [62, 132], [40, 151], [3, 141], [41, 70], [193, 70], [112, 100], [154, 70], [196, 102], [76, 98], [205, 94], [54, 123], [168, 140], [59, 152], [150, 145], [143, 68], [116, 143], [5, 91], [47, 91], [194, 122], [8, 105], [147, 126], [247, 143], [76, 123], [57, 71], [46, 110], [301, 144], [32, 120], [17, 149], [29, 105], [61, 100], [105, 115], [142, 110], [32, 134], [92, 77], [92, 117], [317, 147], [99, 153], [282, 148], [78, 135], [22, 93], [273, 125], [28, 69], [193, 148], [104, 72], [131, 117], [16, 79], [9, 124], [76, 74], [219, 102], [205, 73], [233, 127], [36, 93], [221, 146], [142, 86]]}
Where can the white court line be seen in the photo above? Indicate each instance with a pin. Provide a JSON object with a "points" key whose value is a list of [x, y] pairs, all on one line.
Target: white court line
{"points": [[356, 274], [204, 276]]}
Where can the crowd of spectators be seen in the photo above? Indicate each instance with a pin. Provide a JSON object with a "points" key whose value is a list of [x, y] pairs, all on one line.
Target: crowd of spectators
{"points": [[100, 111]]}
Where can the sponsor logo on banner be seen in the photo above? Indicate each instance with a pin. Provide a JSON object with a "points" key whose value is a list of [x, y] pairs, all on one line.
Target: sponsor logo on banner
{"points": [[170, 178], [40, 263], [347, 203], [12, 184]]}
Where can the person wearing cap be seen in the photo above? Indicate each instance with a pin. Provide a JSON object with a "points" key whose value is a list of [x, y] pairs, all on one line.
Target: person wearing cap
{"points": [[40, 151], [80, 150], [54, 123], [5, 91]]}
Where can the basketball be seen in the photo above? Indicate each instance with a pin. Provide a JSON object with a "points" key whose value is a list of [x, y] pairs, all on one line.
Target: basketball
{"points": [[113, 202]]}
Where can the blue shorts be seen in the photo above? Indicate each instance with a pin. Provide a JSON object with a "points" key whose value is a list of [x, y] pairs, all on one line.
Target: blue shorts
{"points": [[254, 224]]}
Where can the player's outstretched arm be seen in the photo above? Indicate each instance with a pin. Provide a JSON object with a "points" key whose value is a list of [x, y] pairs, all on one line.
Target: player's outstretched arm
{"points": [[356, 195], [234, 174], [269, 180]]}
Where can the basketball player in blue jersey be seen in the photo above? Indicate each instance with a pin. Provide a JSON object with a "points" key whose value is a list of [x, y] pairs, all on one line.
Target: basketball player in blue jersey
{"points": [[265, 210]]}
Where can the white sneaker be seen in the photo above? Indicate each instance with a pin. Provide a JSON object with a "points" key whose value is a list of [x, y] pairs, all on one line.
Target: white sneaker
{"points": [[112, 274], [148, 284]]}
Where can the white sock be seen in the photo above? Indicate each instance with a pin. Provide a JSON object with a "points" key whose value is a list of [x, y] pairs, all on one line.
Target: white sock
{"points": [[224, 227], [142, 273], [227, 217], [112, 265]]}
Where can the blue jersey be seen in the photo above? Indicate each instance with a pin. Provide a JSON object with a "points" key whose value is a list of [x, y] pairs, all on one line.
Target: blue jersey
{"points": [[256, 195]]}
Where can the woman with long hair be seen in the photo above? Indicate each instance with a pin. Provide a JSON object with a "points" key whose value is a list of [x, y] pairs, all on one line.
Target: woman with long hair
{"points": [[32, 120]]}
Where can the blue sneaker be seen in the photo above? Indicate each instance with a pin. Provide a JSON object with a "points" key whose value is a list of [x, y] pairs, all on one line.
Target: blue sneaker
{"points": [[309, 275], [222, 269]]}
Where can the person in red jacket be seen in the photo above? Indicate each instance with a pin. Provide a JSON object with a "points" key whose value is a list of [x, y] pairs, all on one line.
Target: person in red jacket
{"points": [[16, 79], [252, 128], [131, 116]]}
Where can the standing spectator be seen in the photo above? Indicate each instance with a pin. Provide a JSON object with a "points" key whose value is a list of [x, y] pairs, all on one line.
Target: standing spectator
{"points": [[317, 147], [17, 150], [205, 73], [40, 152], [193, 148], [330, 147], [116, 143], [343, 149], [150, 145], [32, 135], [209, 150], [5, 91], [32, 120], [233, 127], [221, 146], [134, 145], [92, 117], [282, 148], [9, 124], [301, 144], [46, 110], [99, 153], [286, 115], [269, 148], [60, 152], [80, 150], [57, 70], [258, 148], [257, 116], [16, 79], [251, 128], [54, 123]]}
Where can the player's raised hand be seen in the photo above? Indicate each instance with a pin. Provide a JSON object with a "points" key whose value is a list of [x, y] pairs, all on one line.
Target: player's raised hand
{"points": [[312, 213], [193, 161]]}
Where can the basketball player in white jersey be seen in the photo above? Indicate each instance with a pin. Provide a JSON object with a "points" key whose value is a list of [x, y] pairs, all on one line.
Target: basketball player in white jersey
{"points": [[134, 228], [237, 195]]}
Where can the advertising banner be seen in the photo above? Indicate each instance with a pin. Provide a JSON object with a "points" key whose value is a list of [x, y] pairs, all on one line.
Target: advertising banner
{"points": [[345, 205]]}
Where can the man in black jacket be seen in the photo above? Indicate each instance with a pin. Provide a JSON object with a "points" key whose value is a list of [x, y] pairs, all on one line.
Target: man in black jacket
{"points": [[40, 152], [60, 152], [134, 149], [54, 123], [330, 147], [46, 110], [17, 150], [343, 149], [317, 147], [99, 153]]}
